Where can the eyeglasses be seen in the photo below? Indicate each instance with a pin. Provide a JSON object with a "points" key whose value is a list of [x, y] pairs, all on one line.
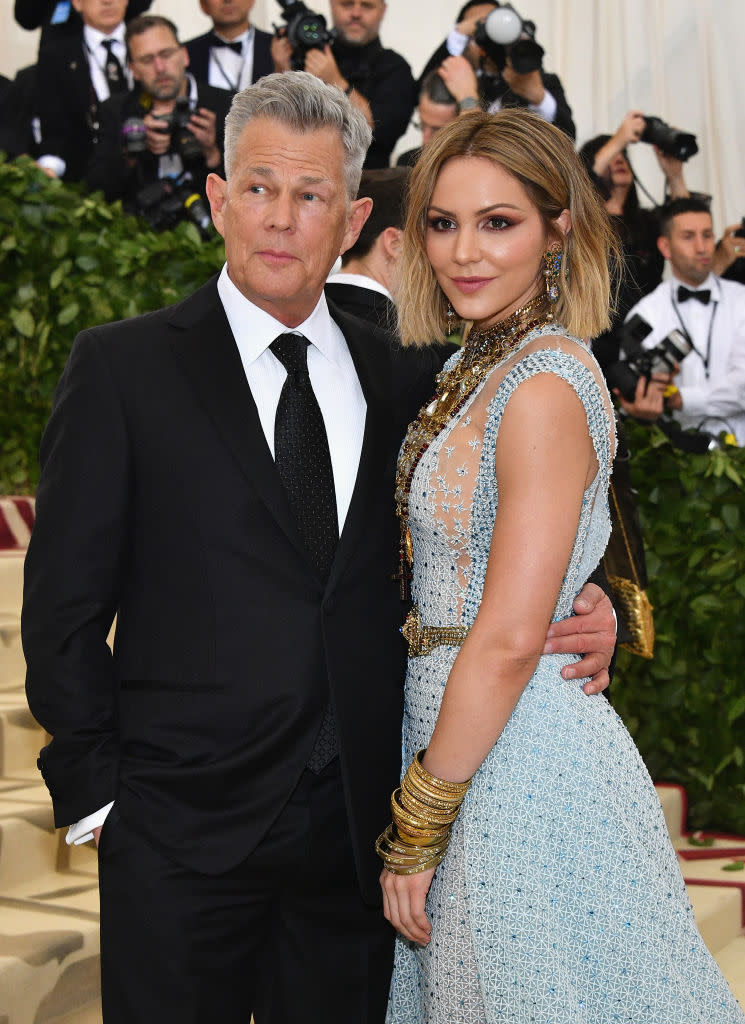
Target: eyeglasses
{"points": [[148, 59]]}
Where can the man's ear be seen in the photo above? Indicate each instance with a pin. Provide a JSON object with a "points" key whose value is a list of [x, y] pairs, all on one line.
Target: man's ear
{"points": [[359, 211], [216, 188], [392, 241], [663, 244]]}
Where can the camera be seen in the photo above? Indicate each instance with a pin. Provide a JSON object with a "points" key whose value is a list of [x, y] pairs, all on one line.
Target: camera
{"points": [[645, 362], [176, 124], [305, 29], [134, 136], [681, 145], [504, 33], [166, 202], [740, 233]]}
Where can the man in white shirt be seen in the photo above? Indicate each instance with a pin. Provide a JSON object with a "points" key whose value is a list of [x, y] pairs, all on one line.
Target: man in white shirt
{"points": [[220, 474], [75, 75], [234, 53], [708, 391]]}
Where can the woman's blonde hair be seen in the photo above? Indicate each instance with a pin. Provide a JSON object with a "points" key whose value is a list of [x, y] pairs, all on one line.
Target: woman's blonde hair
{"points": [[542, 159]]}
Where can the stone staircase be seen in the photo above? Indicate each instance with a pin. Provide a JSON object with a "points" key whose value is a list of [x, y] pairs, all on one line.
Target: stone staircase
{"points": [[49, 892]]}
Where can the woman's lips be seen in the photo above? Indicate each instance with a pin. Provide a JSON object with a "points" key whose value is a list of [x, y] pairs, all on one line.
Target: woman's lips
{"points": [[467, 285]]}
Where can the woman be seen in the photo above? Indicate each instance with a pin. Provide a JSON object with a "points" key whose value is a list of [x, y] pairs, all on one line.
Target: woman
{"points": [[557, 896]]}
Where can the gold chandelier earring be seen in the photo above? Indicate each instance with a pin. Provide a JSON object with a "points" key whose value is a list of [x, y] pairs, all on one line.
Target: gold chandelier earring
{"points": [[450, 319], [552, 262]]}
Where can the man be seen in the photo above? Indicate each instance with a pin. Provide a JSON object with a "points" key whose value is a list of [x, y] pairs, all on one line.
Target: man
{"points": [[75, 76], [58, 19], [474, 80], [234, 53], [437, 108], [709, 388], [378, 82], [366, 284], [232, 502], [140, 141]]}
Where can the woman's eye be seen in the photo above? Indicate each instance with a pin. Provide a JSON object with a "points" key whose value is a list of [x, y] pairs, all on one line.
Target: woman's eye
{"points": [[441, 224], [497, 223]]}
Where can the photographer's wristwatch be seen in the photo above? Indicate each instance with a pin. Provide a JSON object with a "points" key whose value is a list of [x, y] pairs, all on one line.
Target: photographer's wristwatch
{"points": [[468, 103]]}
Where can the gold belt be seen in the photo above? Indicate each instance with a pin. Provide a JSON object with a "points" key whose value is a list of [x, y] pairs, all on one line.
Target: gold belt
{"points": [[422, 639]]}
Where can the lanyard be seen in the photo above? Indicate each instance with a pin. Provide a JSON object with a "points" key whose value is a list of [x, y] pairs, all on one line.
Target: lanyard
{"points": [[704, 358], [234, 86]]}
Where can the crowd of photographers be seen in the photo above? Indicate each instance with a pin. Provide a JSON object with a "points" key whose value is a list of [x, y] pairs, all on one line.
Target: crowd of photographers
{"points": [[118, 101]]}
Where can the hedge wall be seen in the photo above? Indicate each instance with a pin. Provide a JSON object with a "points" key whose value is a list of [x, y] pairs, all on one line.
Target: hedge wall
{"points": [[68, 261]]}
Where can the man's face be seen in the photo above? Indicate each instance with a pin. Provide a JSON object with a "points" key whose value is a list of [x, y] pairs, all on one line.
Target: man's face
{"points": [[103, 15], [690, 247], [357, 21], [433, 116], [158, 62], [285, 216], [227, 13]]}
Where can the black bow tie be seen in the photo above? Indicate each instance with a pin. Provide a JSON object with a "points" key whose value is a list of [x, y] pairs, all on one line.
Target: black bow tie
{"points": [[684, 294], [215, 42]]}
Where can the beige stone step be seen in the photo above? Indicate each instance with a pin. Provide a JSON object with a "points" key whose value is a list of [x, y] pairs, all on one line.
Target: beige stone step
{"points": [[672, 800], [21, 738], [718, 913], [731, 960], [12, 664], [11, 580]]}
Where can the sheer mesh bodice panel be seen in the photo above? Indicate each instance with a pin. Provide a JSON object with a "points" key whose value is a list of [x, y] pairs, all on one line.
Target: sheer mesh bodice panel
{"points": [[455, 481]]}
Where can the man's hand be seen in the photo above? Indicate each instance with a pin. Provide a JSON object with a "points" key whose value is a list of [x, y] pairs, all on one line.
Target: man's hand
{"points": [[321, 63], [404, 897], [460, 78], [203, 126], [529, 86], [729, 248], [590, 632], [649, 398], [157, 140], [97, 834], [281, 51]]}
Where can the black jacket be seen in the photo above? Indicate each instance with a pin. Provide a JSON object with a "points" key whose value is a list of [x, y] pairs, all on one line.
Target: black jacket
{"points": [[110, 170], [199, 56], [159, 502]]}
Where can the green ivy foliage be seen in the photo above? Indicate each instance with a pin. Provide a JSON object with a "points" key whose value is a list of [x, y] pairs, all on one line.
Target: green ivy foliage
{"points": [[686, 707], [69, 260]]}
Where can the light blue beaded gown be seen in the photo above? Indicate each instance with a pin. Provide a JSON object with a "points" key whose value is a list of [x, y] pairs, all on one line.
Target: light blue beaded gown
{"points": [[560, 900]]}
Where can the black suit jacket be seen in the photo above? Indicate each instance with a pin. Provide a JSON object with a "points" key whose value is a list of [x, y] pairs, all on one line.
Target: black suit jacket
{"points": [[109, 169], [199, 56], [365, 303], [159, 501]]}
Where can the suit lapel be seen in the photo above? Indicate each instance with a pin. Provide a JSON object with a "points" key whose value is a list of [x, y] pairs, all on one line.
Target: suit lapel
{"points": [[374, 373], [204, 346]]}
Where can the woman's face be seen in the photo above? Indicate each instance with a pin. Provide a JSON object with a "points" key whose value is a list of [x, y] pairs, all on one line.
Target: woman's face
{"points": [[485, 239], [620, 171]]}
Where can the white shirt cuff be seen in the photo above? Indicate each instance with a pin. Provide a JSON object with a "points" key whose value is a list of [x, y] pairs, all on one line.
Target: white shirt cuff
{"points": [[82, 831], [53, 163], [546, 108], [456, 42]]}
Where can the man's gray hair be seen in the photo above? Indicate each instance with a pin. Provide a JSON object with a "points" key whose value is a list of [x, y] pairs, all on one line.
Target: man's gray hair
{"points": [[303, 103]]}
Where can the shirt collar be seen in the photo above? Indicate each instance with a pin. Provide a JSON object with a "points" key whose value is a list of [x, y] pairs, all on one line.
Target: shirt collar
{"points": [[93, 38], [360, 281], [238, 39], [711, 284], [254, 329]]}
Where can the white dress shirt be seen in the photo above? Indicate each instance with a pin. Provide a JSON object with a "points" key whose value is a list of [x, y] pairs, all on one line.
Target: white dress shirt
{"points": [[231, 70], [336, 387], [96, 54], [712, 376], [360, 281]]}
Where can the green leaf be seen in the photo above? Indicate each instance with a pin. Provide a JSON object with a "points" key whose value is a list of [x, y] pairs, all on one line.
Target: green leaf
{"points": [[736, 865], [23, 322], [8, 243], [736, 709], [68, 313]]}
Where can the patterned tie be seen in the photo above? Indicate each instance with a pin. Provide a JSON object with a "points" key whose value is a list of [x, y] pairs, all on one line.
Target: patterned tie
{"points": [[301, 453], [114, 72]]}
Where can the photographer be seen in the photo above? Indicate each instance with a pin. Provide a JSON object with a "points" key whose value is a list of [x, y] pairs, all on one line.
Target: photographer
{"points": [[476, 78], [709, 387], [170, 130], [378, 81]]}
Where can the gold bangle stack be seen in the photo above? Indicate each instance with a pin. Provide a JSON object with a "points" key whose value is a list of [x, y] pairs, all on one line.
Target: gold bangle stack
{"points": [[424, 809]]}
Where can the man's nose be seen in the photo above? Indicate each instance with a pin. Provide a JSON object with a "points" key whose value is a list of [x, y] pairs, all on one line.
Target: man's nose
{"points": [[281, 213]]}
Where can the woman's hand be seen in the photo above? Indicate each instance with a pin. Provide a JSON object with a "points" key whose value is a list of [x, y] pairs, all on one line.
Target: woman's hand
{"points": [[404, 897]]}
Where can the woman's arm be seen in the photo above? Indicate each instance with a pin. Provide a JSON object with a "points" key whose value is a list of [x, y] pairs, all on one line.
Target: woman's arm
{"points": [[544, 462]]}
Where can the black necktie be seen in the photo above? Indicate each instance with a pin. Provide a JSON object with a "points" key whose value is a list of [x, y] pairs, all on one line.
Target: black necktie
{"points": [[114, 72], [215, 41], [301, 453], [684, 294]]}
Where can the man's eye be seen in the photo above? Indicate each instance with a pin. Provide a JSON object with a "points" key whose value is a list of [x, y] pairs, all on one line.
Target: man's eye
{"points": [[309, 195], [257, 189]]}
